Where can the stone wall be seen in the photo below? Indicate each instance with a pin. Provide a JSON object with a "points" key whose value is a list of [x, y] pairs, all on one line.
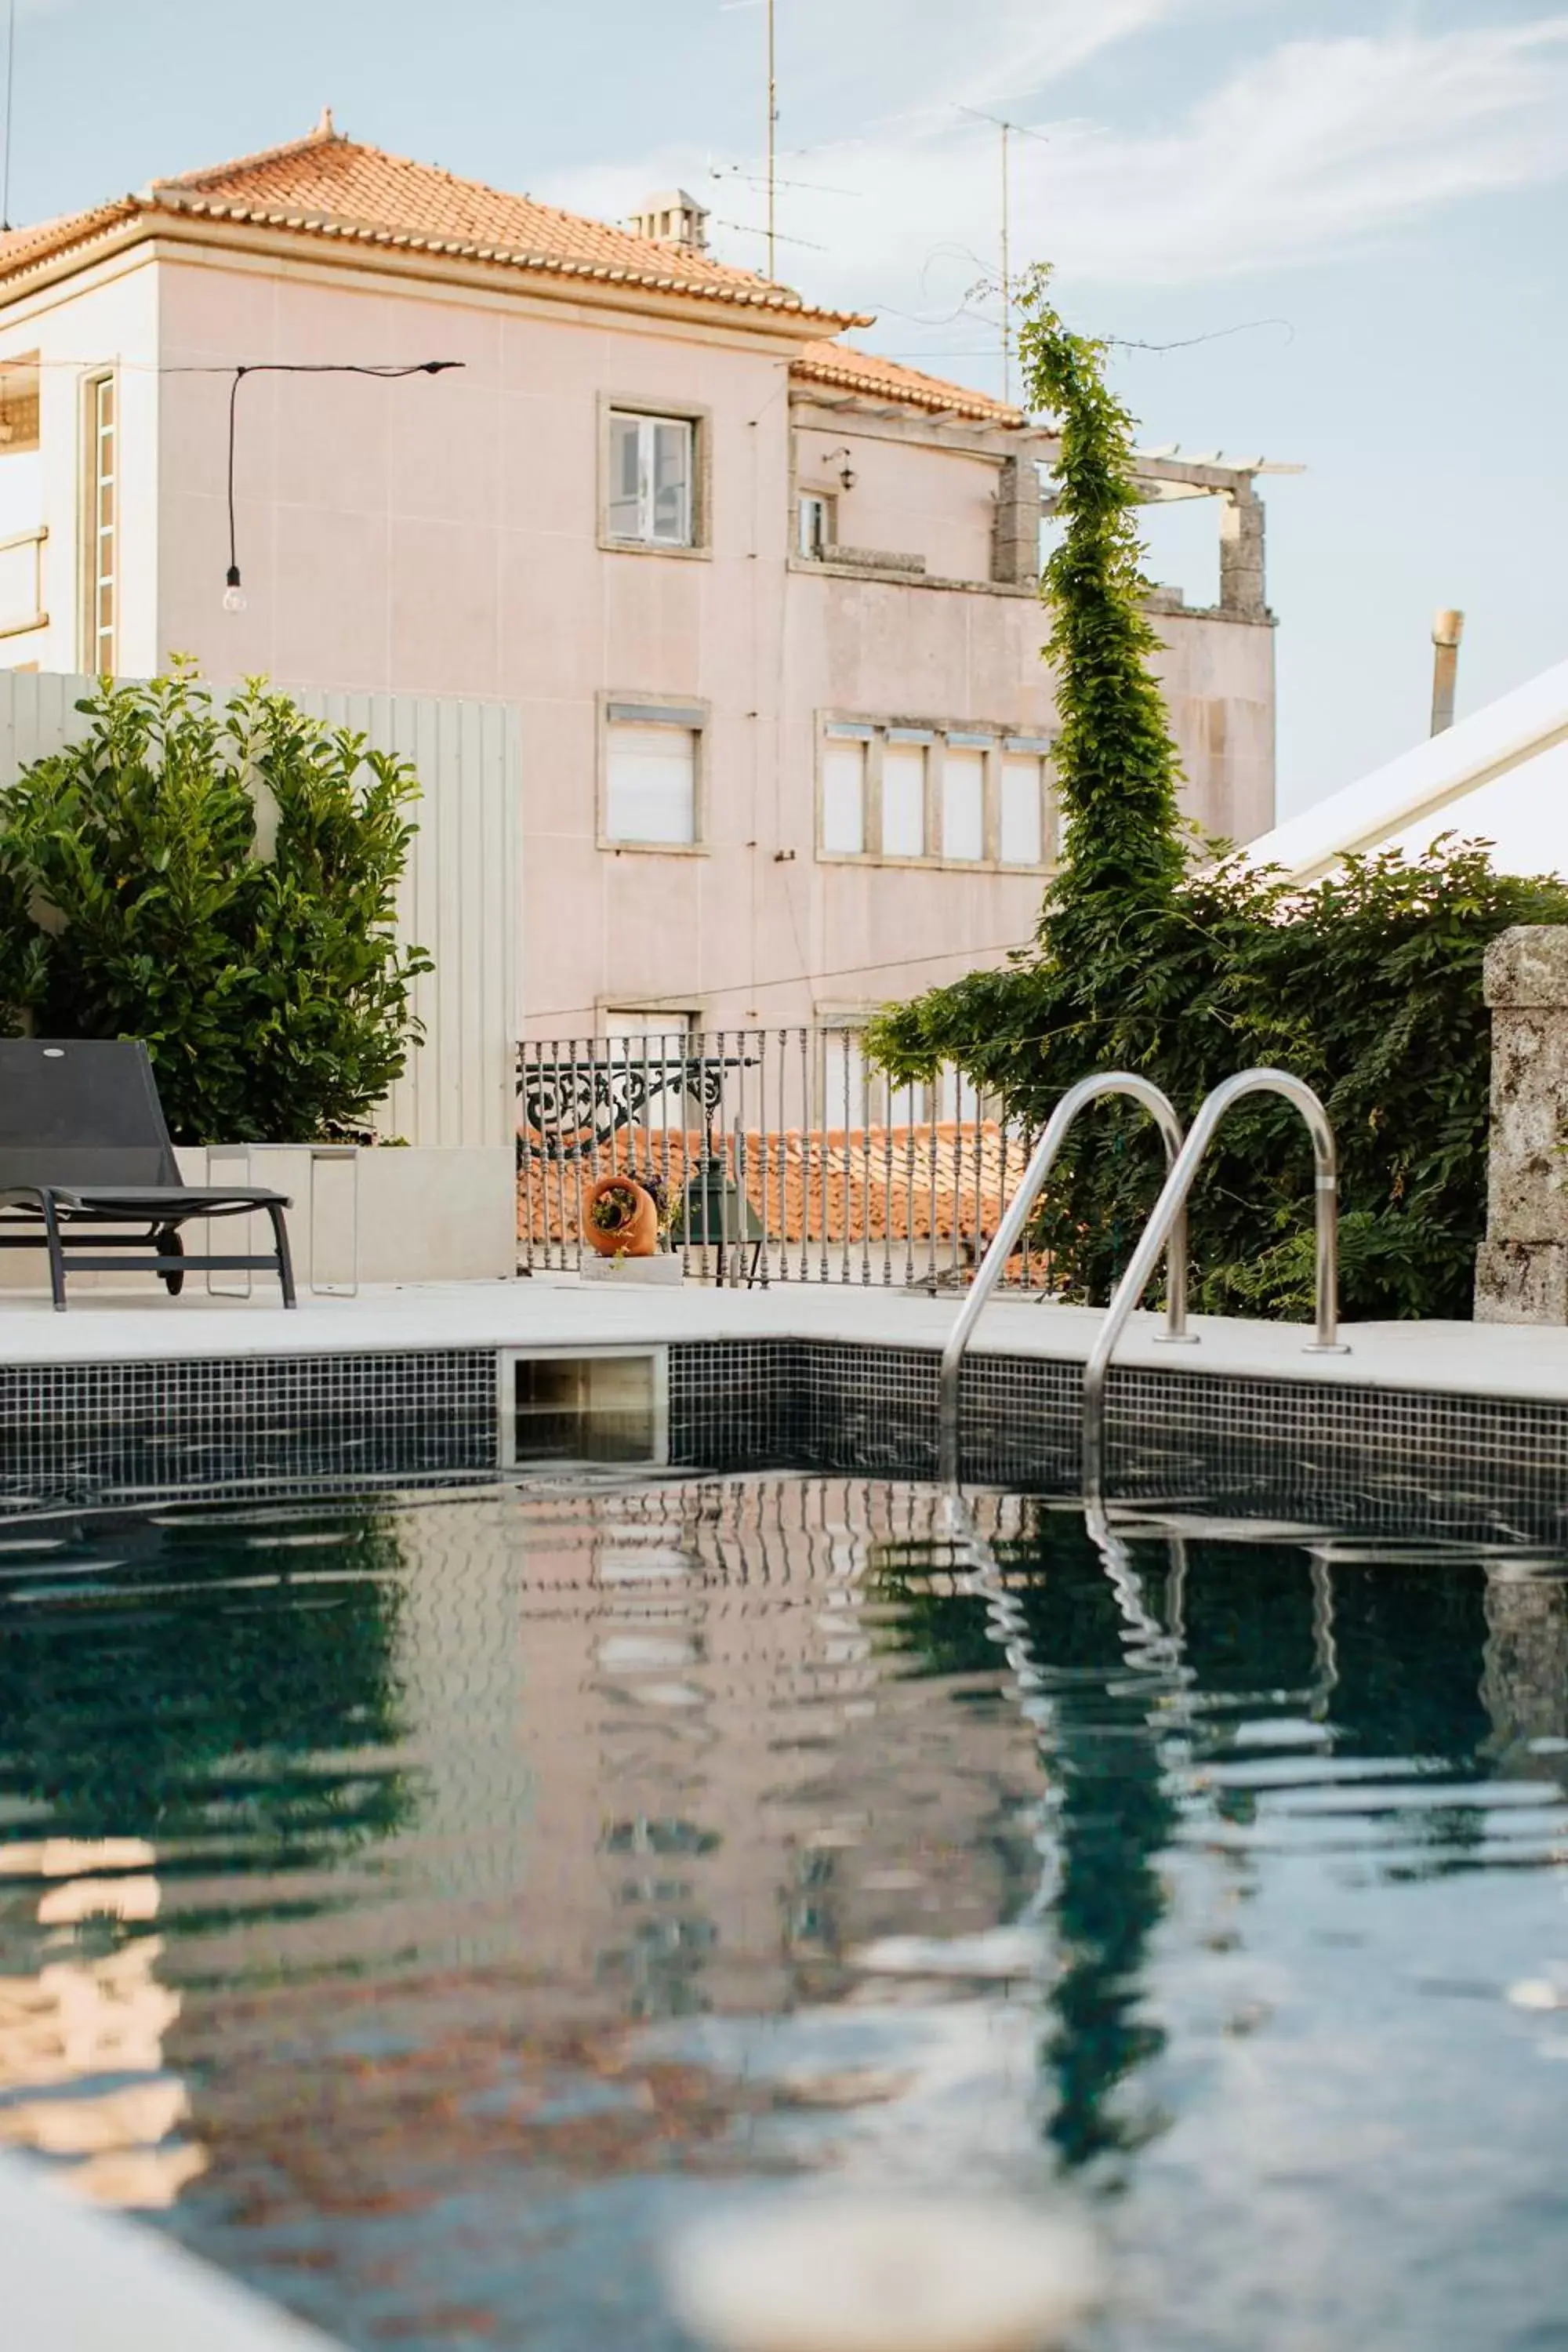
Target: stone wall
{"points": [[1521, 1271]]}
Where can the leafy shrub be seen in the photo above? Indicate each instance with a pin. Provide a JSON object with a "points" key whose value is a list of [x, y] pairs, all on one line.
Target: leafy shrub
{"points": [[1152, 957], [223, 884]]}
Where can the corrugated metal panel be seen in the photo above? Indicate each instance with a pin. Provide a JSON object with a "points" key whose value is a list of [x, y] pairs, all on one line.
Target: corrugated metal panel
{"points": [[462, 890]]}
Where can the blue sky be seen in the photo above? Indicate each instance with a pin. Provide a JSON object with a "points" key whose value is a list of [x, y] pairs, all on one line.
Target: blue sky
{"points": [[1383, 184]]}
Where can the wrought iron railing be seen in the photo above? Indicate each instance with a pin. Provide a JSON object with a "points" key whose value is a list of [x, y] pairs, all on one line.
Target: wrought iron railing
{"points": [[783, 1155]]}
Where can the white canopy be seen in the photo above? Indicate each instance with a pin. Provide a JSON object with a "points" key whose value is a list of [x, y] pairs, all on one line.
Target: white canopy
{"points": [[1500, 775]]}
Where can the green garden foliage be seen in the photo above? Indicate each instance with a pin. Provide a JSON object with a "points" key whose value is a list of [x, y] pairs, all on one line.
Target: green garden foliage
{"points": [[222, 883], [1152, 956]]}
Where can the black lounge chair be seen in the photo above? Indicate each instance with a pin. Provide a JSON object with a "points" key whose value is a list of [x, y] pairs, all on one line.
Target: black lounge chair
{"points": [[83, 1145]]}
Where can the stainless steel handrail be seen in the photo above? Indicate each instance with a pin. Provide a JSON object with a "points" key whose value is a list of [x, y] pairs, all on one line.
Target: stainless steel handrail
{"points": [[1010, 1232], [1168, 1215]]}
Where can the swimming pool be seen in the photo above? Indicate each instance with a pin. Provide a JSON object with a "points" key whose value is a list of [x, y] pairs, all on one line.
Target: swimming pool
{"points": [[421, 1903]]}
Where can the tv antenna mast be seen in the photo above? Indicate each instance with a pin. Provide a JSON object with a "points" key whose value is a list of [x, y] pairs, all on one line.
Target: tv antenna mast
{"points": [[10, 77], [773, 134], [726, 7], [1007, 129]]}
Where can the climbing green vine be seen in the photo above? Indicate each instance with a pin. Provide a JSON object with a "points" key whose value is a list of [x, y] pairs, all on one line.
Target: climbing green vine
{"points": [[1156, 951]]}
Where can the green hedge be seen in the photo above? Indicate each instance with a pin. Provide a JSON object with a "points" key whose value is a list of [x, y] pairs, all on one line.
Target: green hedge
{"points": [[1153, 957], [222, 883], [1368, 986]]}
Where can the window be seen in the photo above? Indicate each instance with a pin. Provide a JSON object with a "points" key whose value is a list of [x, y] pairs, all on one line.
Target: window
{"points": [[103, 468], [946, 796], [651, 1043], [818, 524], [650, 775], [652, 484], [844, 791], [22, 532], [1021, 816], [964, 799], [634, 1029], [904, 795], [20, 406]]}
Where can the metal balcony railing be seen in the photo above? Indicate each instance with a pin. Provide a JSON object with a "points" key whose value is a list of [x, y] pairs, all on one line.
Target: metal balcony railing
{"points": [[785, 1157]]}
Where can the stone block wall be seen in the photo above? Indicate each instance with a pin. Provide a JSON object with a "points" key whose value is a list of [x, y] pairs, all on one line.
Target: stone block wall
{"points": [[1521, 1271]]}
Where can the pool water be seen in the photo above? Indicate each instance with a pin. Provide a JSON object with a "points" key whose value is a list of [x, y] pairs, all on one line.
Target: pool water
{"points": [[423, 1905]]}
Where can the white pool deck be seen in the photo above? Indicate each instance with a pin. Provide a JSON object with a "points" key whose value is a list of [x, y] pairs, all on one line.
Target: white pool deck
{"points": [[80, 2279], [558, 1311]]}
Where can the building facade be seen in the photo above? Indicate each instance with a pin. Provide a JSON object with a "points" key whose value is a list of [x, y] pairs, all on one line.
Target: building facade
{"points": [[764, 604]]}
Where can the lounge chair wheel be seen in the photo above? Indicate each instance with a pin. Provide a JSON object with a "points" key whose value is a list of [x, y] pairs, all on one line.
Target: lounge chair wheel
{"points": [[169, 1245]]}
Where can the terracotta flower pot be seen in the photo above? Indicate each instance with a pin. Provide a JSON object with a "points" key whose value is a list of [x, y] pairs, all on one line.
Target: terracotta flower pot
{"points": [[637, 1235]]}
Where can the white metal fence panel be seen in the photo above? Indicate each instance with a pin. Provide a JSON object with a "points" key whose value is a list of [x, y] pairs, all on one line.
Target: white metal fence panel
{"points": [[461, 896]]}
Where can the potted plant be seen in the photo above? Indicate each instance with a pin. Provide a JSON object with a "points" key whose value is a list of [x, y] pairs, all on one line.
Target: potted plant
{"points": [[622, 1219]]}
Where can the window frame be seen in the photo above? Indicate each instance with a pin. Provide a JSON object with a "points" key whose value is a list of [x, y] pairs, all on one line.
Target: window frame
{"points": [[995, 741], [968, 742], [93, 530], [698, 421], [1040, 749], [684, 711], [833, 734], [828, 502], [926, 741]]}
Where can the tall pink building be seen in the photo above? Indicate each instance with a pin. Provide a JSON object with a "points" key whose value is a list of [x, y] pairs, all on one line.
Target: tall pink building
{"points": [[764, 604]]}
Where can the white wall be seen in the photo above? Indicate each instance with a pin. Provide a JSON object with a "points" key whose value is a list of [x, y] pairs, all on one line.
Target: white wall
{"points": [[105, 320], [1499, 775], [462, 892]]}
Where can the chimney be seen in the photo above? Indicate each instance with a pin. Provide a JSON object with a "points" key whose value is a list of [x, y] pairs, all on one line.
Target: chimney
{"points": [[1447, 628], [672, 217]]}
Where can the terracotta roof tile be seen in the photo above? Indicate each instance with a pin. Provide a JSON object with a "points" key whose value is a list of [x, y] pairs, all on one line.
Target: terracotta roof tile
{"points": [[20, 245], [327, 177], [839, 1188], [864, 371], [328, 185]]}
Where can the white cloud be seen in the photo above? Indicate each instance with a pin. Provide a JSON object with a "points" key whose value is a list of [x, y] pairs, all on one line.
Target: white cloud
{"points": [[1303, 150]]}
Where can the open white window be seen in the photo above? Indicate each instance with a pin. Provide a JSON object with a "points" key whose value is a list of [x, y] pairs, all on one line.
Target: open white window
{"points": [[652, 761], [652, 491]]}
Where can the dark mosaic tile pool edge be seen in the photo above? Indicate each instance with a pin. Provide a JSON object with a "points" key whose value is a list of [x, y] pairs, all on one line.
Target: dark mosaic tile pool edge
{"points": [[1390, 1458], [1384, 1457]]}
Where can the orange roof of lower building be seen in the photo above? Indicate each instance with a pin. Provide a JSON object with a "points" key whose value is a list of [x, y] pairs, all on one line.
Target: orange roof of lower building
{"points": [[838, 366]]}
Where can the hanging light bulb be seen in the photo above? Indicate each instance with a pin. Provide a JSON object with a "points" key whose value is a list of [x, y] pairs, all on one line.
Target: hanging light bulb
{"points": [[234, 595]]}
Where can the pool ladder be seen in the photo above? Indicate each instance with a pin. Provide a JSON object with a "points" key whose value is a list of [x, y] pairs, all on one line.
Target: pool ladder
{"points": [[1165, 1232]]}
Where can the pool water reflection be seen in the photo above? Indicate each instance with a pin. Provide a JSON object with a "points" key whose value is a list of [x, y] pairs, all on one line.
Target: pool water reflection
{"points": [[423, 1905]]}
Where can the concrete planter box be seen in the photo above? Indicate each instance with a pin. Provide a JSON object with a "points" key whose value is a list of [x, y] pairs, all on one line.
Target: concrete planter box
{"points": [[425, 1213], [437, 1213], [662, 1271]]}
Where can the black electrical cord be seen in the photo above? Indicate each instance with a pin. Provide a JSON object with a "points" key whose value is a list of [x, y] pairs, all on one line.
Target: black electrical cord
{"points": [[306, 367]]}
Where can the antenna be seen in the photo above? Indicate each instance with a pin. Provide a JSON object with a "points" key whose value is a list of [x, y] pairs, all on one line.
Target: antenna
{"points": [[725, 8], [773, 134], [10, 77], [1006, 129], [1006, 278]]}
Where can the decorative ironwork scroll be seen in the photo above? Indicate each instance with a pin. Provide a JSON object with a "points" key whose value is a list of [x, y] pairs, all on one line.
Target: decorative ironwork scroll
{"points": [[571, 1106]]}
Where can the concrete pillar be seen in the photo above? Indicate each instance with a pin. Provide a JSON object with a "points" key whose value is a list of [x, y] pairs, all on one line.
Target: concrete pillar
{"points": [[1016, 545], [1521, 1271], [1242, 587]]}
